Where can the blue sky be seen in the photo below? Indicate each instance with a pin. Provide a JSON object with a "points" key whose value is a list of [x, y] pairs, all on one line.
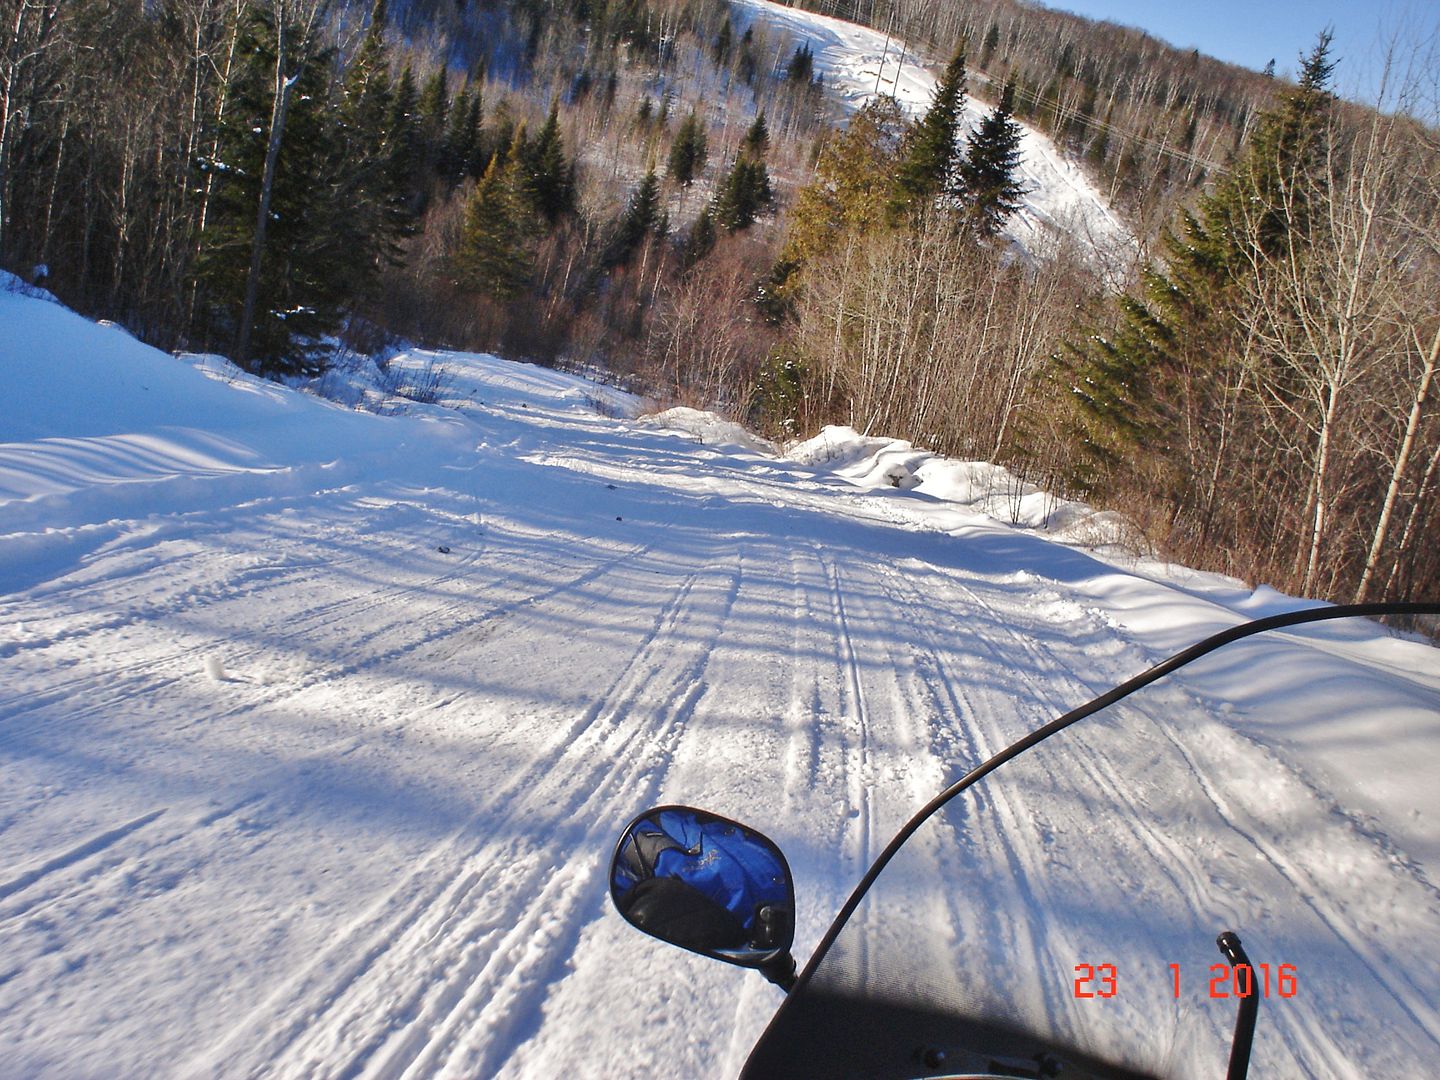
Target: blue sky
{"points": [[1250, 32]]}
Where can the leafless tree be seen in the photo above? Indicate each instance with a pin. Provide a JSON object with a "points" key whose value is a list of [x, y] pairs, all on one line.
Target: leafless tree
{"points": [[930, 336], [29, 36]]}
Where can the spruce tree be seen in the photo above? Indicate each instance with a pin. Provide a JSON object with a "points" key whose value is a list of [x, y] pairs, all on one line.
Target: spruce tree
{"points": [[928, 155], [642, 218], [688, 152], [757, 138], [745, 190], [1264, 192], [462, 138], [431, 123], [306, 262], [404, 142], [493, 257], [551, 175], [496, 141], [743, 194], [404, 108], [372, 189], [433, 109], [1183, 321], [724, 40], [367, 80], [519, 176], [987, 48], [986, 182], [701, 240], [802, 65]]}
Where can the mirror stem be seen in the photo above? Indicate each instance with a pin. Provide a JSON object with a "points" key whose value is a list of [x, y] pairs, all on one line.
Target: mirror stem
{"points": [[781, 972]]}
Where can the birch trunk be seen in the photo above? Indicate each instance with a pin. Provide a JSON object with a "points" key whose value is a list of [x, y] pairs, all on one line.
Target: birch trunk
{"points": [[1397, 475], [284, 84]]}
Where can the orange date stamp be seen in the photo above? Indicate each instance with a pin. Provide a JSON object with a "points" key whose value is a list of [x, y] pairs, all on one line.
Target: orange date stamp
{"points": [[1225, 980]]}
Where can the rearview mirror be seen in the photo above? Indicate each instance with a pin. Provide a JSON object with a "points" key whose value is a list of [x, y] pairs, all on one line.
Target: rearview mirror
{"points": [[709, 885]]}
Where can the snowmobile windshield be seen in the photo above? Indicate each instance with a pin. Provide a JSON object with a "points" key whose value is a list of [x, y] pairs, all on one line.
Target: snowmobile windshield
{"points": [[1059, 918]]}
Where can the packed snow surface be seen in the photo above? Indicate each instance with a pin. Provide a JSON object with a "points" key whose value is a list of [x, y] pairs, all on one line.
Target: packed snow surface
{"points": [[318, 726], [859, 63]]}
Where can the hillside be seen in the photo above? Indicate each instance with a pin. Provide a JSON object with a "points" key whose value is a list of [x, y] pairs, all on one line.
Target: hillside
{"points": [[1060, 200]]}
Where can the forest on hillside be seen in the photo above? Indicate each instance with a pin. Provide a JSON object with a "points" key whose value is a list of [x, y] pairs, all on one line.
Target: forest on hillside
{"points": [[661, 190]]}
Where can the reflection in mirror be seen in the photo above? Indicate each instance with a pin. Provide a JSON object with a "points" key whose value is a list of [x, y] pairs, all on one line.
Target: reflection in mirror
{"points": [[707, 884]]}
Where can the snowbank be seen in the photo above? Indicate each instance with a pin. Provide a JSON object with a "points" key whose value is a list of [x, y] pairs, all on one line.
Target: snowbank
{"points": [[707, 428], [978, 487]]}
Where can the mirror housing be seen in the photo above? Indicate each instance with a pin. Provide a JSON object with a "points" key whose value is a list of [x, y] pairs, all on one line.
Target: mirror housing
{"points": [[707, 884]]}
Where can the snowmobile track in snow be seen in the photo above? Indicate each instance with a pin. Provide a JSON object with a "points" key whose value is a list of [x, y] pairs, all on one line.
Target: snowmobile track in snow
{"points": [[445, 961], [313, 770]]}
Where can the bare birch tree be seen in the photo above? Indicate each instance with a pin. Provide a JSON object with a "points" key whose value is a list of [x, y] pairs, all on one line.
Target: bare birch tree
{"points": [[28, 37]]}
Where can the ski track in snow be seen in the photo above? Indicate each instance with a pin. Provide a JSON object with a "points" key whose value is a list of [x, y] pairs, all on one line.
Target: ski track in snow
{"points": [[292, 792]]}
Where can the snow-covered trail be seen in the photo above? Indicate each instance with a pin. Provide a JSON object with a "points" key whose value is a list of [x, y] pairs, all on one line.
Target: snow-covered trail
{"points": [[315, 746]]}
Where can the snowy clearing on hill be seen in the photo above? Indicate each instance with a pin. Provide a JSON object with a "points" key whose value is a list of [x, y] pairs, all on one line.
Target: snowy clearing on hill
{"points": [[318, 727], [857, 63]]}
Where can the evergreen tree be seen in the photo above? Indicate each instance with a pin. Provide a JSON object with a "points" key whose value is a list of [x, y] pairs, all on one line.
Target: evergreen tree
{"points": [[987, 48], [404, 108], [373, 189], [642, 218], [433, 108], [497, 142], [493, 257], [757, 138], [551, 175], [852, 188], [404, 142], [519, 177], [802, 65], [367, 80], [745, 190], [306, 263], [688, 152], [743, 194], [723, 42], [462, 139], [986, 182], [928, 155], [747, 64], [1264, 196], [701, 240], [432, 116], [1183, 323], [780, 391]]}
